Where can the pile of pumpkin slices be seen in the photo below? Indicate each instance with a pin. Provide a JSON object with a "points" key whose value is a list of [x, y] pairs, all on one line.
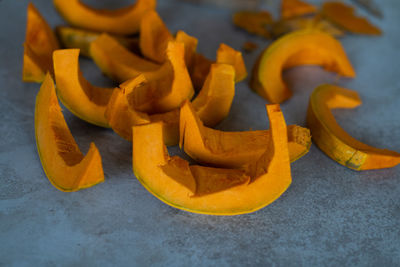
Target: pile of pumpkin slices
{"points": [[153, 107]]}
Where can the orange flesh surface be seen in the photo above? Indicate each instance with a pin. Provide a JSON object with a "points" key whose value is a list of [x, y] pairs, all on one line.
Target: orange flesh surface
{"points": [[297, 48], [293, 8], [333, 140], [211, 190], [64, 164]]}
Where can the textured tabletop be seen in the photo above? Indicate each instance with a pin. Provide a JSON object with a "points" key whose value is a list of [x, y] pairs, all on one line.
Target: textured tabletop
{"points": [[329, 216]]}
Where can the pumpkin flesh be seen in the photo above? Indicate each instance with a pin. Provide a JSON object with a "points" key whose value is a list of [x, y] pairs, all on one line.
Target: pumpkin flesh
{"points": [[334, 141], [123, 21], [64, 164], [226, 192], [295, 49]]}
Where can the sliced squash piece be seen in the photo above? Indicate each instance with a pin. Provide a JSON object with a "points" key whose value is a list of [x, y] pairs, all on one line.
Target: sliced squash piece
{"points": [[333, 140], [40, 42], [84, 100], [232, 149], [154, 37], [78, 38], [294, 8], [190, 43], [294, 49], [117, 62], [212, 104], [211, 190], [199, 70], [124, 21], [64, 164]]}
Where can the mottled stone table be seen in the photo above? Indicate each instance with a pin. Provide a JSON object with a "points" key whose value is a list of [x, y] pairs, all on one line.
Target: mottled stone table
{"points": [[330, 215]]}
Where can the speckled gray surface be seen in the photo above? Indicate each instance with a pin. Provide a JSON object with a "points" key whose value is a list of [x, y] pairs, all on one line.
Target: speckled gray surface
{"points": [[329, 216]]}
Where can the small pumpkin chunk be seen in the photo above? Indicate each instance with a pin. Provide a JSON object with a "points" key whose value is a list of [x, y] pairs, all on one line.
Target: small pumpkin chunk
{"points": [[78, 38], [294, 8], [154, 37], [218, 191], [40, 42], [333, 140], [343, 15], [123, 21], [255, 22], [86, 101], [232, 149], [303, 47], [64, 164]]}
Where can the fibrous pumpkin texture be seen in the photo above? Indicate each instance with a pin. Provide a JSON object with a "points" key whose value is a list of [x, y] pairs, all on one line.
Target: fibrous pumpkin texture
{"points": [[64, 164]]}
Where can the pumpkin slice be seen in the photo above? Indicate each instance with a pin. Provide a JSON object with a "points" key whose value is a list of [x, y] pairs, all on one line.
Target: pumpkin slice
{"points": [[343, 15], [294, 8], [226, 55], [84, 100], [64, 164], [78, 38], [212, 104], [211, 190], [294, 49], [117, 62], [232, 149], [154, 37], [167, 91], [190, 46], [40, 42], [333, 140], [120, 21], [254, 22]]}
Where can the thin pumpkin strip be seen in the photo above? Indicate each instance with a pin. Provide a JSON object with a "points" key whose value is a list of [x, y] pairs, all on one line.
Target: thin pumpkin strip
{"points": [[344, 16], [294, 8], [64, 164], [333, 140]]}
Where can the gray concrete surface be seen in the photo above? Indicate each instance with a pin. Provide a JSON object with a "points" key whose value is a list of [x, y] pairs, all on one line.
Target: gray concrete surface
{"points": [[330, 215]]}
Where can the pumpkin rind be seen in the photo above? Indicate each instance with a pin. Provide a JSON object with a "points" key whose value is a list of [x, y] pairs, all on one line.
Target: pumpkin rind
{"points": [[333, 140], [271, 174], [64, 164], [121, 21], [302, 47]]}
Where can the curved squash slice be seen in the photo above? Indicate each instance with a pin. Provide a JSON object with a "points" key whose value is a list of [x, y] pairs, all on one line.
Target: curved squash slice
{"points": [[121, 21], [77, 38], [84, 100], [154, 37], [211, 190], [233, 149], [117, 62], [190, 43], [212, 104], [64, 164], [294, 49], [334, 141], [40, 42]]}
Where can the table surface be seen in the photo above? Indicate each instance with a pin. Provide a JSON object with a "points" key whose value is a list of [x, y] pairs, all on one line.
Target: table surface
{"points": [[330, 215]]}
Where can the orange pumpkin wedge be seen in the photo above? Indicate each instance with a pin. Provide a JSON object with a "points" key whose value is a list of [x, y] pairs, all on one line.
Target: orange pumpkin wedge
{"points": [[40, 42], [212, 104], [294, 49], [232, 149], [117, 62], [343, 16], [84, 100], [333, 140], [209, 190], [78, 38], [154, 37], [294, 8], [190, 43], [64, 164], [124, 21]]}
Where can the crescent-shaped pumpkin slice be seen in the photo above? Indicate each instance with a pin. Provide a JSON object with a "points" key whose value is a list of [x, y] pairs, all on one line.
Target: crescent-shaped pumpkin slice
{"points": [[232, 149], [64, 164], [124, 21], [304, 47], [40, 42], [333, 140], [84, 100], [117, 62], [209, 190], [212, 104]]}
